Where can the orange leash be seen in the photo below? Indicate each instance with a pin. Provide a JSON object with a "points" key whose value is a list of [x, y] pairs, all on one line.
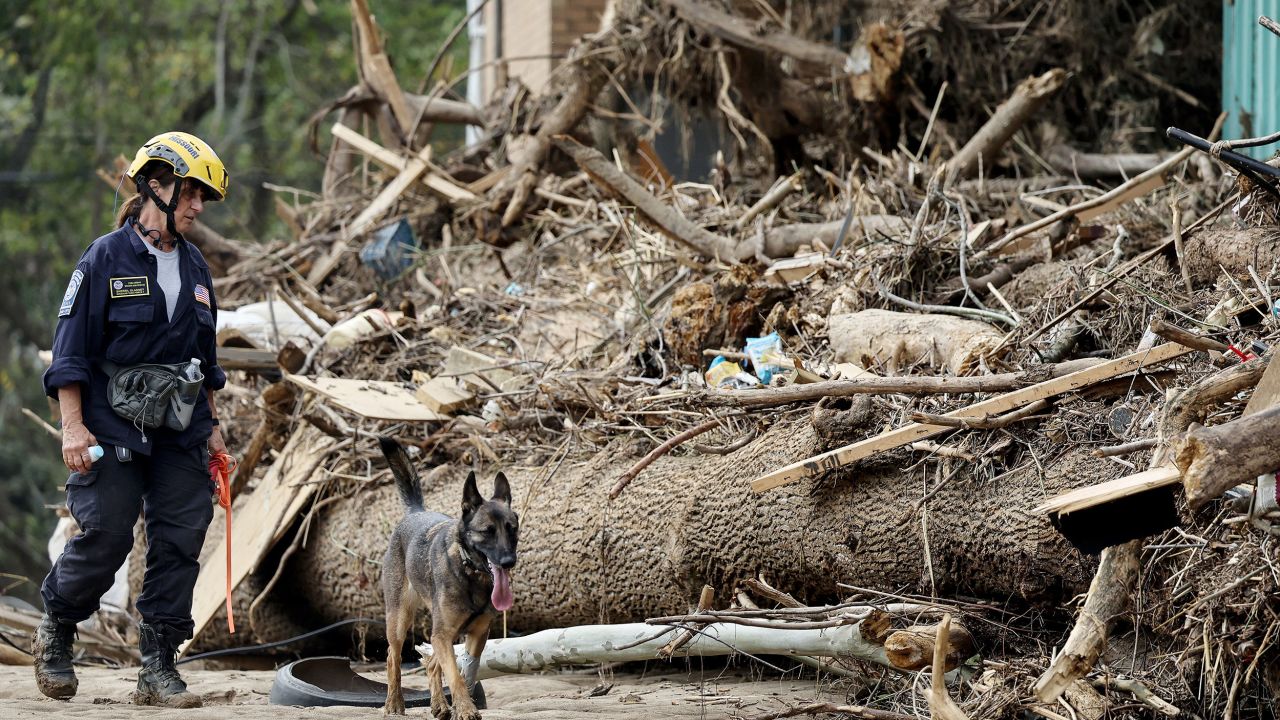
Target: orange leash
{"points": [[220, 468]]}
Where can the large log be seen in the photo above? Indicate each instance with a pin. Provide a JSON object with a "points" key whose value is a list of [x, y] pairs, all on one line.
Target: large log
{"points": [[692, 520]]}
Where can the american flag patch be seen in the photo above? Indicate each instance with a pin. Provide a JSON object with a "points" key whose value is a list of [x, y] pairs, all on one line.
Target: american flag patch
{"points": [[202, 295]]}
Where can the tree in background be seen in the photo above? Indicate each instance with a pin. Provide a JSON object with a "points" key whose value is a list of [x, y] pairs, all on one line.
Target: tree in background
{"points": [[83, 81]]}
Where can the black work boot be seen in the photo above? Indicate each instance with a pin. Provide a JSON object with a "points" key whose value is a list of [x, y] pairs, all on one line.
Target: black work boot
{"points": [[158, 680], [51, 648]]}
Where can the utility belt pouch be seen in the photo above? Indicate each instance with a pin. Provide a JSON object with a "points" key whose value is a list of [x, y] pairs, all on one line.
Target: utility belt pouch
{"points": [[152, 396]]}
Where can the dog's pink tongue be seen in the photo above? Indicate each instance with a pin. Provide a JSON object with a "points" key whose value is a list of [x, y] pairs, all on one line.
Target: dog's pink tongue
{"points": [[502, 597]]}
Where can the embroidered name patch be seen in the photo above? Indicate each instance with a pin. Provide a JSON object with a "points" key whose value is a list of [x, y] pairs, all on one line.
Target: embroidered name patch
{"points": [[202, 295], [69, 298], [126, 287]]}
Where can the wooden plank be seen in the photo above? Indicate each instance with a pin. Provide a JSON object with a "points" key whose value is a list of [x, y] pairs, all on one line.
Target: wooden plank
{"points": [[395, 161], [1137, 191], [374, 399], [258, 521], [1267, 391], [994, 406], [1085, 497], [391, 193], [466, 365], [444, 395]]}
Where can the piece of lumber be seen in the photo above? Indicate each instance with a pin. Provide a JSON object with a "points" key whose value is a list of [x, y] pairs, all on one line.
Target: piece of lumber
{"points": [[377, 68], [444, 395], [1216, 459], [479, 371], [997, 405], [789, 270], [374, 399], [393, 160], [1028, 97], [586, 644], [1267, 392], [856, 381], [664, 217], [258, 520], [1092, 495]]}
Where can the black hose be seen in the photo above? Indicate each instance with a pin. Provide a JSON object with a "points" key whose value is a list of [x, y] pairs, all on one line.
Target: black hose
{"points": [[278, 643]]}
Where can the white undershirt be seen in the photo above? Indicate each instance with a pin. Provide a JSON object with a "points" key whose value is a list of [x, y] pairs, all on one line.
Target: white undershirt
{"points": [[168, 276]]}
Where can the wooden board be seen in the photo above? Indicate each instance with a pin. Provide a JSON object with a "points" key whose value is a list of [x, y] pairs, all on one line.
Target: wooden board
{"points": [[258, 521], [444, 395], [393, 160], [1086, 497], [374, 399], [238, 358], [465, 365], [995, 406], [1267, 391]]}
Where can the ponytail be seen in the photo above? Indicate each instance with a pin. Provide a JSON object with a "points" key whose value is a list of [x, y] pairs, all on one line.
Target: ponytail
{"points": [[129, 209]]}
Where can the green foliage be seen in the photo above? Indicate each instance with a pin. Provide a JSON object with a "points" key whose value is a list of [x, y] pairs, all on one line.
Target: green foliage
{"points": [[82, 81]]}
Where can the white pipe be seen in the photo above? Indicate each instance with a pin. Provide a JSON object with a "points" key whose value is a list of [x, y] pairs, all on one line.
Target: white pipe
{"points": [[475, 58]]}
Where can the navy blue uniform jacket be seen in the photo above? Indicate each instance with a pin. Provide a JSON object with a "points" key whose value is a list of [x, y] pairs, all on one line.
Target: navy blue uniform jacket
{"points": [[114, 310]]}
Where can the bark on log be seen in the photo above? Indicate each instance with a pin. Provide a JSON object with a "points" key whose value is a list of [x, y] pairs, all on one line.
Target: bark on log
{"points": [[1207, 254], [694, 521], [1027, 99], [1216, 459], [785, 240], [901, 340], [664, 217]]}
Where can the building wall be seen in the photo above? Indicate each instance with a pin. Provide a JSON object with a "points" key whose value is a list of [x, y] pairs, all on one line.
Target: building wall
{"points": [[545, 29]]}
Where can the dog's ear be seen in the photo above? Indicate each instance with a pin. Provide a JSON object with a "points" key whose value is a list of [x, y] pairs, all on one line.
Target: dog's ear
{"points": [[502, 488], [471, 497]]}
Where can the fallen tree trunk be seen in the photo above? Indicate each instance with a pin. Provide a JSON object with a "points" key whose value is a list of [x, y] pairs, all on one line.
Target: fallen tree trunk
{"points": [[1216, 459], [692, 520], [589, 644]]}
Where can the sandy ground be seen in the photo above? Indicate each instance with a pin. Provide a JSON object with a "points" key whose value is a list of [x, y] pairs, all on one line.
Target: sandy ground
{"points": [[709, 694]]}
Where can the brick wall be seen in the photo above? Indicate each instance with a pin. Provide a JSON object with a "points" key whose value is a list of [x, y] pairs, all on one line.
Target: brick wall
{"points": [[571, 19], [535, 27]]}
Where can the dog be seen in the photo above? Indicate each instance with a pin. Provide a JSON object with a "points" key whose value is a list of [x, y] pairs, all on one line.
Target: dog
{"points": [[458, 569]]}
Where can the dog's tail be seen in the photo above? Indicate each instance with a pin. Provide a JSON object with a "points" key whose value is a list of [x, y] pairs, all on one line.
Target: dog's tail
{"points": [[407, 481]]}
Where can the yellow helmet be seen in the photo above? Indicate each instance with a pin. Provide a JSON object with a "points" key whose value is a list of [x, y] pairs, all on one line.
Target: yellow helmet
{"points": [[190, 157]]}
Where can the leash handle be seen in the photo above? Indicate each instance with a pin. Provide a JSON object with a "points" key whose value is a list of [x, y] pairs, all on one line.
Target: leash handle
{"points": [[221, 466]]}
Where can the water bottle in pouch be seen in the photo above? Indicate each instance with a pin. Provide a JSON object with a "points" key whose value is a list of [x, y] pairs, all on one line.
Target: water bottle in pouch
{"points": [[183, 402]]}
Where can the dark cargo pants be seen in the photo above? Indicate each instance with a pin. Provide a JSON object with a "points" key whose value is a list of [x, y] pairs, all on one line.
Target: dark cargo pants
{"points": [[173, 490]]}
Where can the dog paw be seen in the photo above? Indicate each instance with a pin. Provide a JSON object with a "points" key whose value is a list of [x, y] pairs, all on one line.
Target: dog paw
{"points": [[441, 712], [393, 706]]}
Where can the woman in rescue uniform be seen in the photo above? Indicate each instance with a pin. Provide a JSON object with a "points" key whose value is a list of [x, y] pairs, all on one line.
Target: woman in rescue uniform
{"points": [[141, 294]]}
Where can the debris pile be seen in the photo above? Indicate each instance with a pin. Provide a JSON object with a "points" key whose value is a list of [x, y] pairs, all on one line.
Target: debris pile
{"points": [[834, 381]]}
